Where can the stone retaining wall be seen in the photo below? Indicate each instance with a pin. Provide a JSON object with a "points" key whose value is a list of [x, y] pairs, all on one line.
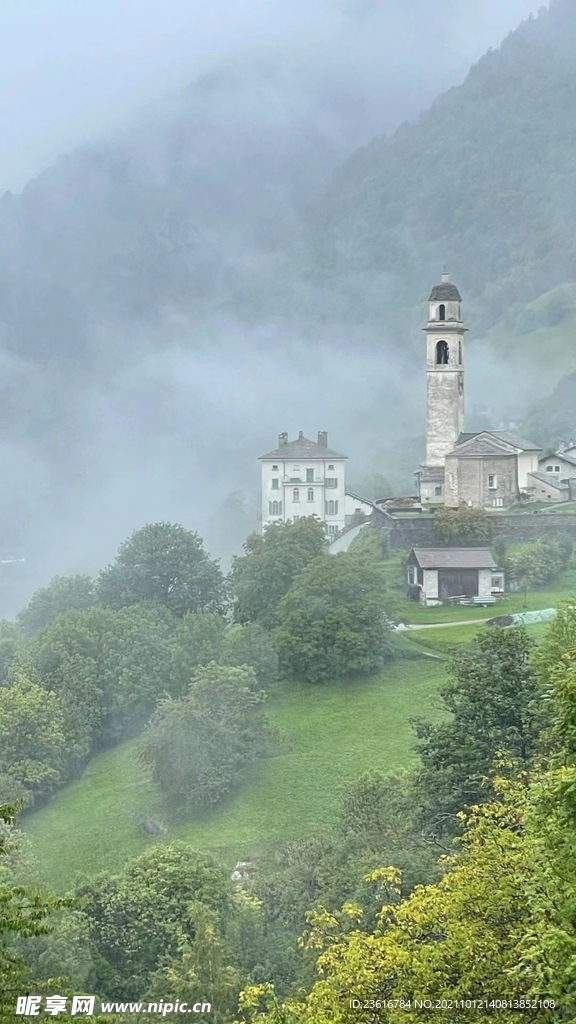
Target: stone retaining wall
{"points": [[420, 532]]}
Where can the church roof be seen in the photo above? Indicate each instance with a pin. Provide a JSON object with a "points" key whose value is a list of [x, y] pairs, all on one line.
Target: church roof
{"points": [[452, 558], [518, 442], [502, 435], [302, 449], [483, 444], [445, 292]]}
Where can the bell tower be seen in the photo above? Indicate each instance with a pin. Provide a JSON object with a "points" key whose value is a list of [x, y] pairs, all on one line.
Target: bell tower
{"points": [[444, 371]]}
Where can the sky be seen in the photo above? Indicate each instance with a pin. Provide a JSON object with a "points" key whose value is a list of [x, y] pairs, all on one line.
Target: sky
{"points": [[73, 70]]}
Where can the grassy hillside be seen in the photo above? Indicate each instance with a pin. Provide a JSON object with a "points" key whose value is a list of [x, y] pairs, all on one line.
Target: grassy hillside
{"points": [[328, 737]]}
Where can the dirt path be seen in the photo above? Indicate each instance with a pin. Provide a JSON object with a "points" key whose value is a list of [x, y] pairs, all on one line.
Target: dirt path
{"points": [[446, 625]]}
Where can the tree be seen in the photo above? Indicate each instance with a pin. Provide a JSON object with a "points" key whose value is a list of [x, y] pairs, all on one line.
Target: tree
{"points": [[199, 639], [380, 820], [539, 563], [166, 564], [63, 593], [333, 621], [32, 741], [203, 971], [455, 940], [495, 705], [9, 643], [197, 747], [250, 644], [261, 577], [108, 668], [464, 525], [25, 912], [139, 919]]}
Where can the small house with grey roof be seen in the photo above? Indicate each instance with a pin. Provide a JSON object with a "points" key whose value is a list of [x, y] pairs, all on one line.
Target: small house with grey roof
{"points": [[436, 575]]}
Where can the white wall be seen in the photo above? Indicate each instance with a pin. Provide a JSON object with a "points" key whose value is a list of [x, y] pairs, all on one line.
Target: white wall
{"points": [[430, 584], [291, 476], [527, 463], [485, 582]]}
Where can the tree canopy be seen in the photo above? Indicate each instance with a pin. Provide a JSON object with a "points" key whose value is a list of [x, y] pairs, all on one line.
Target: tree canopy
{"points": [[166, 564], [332, 621], [272, 560]]}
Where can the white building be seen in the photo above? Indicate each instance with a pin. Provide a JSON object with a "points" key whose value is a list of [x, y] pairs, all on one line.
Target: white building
{"points": [[304, 478]]}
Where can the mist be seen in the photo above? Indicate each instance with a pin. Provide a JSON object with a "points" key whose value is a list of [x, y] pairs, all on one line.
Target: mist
{"points": [[72, 72], [158, 408]]}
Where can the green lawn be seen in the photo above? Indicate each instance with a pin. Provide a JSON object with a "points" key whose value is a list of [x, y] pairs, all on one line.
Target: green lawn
{"points": [[443, 641], [329, 736]]}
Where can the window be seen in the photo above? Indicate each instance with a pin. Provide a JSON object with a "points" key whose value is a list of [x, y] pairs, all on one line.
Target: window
{"points": [[460, 351], [492, 481], [310, 494], [330, 467], [309, 476], [331, 508], [496, 583], [497, 502], [556, 469], [549, 469], [275, 468], [442, 353], [296, 518], [296, 494], [332, 531], [438, 490], [275, 483], [275, 508], [442, 312], [331, 482]]}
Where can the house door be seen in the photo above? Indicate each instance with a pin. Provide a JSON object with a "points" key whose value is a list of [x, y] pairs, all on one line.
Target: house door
{"points": [[457, 583]]}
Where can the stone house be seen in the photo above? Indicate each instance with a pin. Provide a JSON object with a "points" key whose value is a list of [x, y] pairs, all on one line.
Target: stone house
{"points": [[490, 469]]}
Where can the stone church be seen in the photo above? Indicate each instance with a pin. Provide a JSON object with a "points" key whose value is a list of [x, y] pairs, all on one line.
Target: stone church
{"points": [[488, 469]]}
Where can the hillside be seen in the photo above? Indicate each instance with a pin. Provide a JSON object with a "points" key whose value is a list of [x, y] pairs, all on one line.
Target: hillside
{"points": [[172, 296], [326, 739], [483, 180]]}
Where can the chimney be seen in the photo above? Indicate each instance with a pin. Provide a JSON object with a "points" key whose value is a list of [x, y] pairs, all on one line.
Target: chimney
{"points": [[323, 438], [282, 439], [300, 435]]}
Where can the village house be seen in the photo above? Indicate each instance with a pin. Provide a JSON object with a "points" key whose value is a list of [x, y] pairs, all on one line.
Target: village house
{"points": [[436, 575]]}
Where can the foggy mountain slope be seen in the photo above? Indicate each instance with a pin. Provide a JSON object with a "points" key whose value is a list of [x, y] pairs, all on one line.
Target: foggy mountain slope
{"points": [[173, 295], [483, 180]]}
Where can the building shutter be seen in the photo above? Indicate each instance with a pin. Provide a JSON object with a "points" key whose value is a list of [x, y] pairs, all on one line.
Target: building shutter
{"points": [[336, 508], [269, 508], [280, 507]]}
